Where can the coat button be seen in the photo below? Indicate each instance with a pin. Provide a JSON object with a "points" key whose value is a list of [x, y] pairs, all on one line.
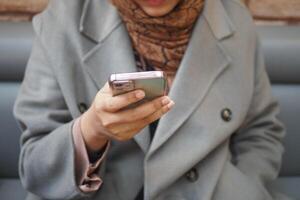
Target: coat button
{"points": [[192, 175], [82, 107], [226, 114]]}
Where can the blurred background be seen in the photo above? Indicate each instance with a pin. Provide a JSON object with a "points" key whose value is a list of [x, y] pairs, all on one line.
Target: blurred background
{"points": [[278, 26], [277, 12]]}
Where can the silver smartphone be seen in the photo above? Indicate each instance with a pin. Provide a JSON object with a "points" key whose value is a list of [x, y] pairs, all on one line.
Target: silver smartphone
{"points": [[153, 83]]}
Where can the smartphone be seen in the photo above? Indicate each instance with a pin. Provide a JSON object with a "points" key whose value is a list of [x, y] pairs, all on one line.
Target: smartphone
{"points": [[153, 83]]}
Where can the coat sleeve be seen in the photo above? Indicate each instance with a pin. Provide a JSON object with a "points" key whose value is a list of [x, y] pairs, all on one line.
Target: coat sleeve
{"points": [[87, 165], [47, 158], [257, 145]]}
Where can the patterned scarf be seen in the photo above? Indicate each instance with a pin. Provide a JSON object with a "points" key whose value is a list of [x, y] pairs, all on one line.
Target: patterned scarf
{"points": [[160, 41]]}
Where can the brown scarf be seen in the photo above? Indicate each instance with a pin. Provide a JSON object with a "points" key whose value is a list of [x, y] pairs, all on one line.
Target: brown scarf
{"points": [[160, 41]]}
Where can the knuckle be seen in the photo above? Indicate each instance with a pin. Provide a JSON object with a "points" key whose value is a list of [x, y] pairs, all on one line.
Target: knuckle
{"points": [[105, 90], [98, 107], [157, 104], [131, 97], [109, 105], [147, 120], [154, 117], [106, 123], [135, 114], [160, 113], [164, 110]]}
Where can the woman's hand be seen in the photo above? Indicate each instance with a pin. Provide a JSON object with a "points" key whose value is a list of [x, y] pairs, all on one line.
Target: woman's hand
{"points": [[106, 119]]}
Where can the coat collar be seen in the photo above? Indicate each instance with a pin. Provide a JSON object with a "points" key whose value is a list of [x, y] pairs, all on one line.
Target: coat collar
{"points": [[218, 19], [98, 19], [112, 52]]}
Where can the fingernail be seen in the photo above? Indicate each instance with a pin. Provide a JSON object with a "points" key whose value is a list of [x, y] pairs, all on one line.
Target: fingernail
{"points": [[165, 101], [140, 94], [171, 104]]}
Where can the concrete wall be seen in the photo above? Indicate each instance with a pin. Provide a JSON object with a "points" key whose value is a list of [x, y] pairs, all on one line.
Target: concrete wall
{"points": [[264, 11], [20, 10], [275, 11]]}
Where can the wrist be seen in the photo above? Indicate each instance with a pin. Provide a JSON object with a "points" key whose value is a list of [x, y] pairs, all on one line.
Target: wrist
{"points": [[90, 132]]}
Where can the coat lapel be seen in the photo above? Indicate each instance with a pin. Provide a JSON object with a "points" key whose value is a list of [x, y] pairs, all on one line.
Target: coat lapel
{"points": [[111, 51], [204, 61]]}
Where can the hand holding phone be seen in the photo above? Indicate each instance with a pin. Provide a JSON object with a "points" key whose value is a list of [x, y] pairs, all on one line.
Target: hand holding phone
{"points": [[107, 119]]}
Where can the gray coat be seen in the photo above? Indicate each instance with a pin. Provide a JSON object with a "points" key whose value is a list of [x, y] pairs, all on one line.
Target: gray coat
{"points": [[221, 141]]}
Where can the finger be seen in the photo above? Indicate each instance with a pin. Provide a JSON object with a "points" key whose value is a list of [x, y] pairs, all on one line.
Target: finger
{"points": [[126, 132], [116, 103], [139, 125], [117, 129], [142, 111], [122, 132], [126, 135], [106, 88], [158, 114], [125, 128]]}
